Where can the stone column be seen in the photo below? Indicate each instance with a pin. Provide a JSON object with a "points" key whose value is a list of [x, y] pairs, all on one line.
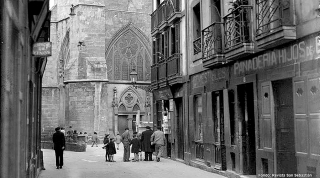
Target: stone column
{"points": [[97, 98]]}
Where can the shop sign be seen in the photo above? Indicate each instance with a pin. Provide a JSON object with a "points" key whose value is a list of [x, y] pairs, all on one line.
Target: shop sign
{"points": [[42, 49], [304, 50], [207, 77], [163, 94]]}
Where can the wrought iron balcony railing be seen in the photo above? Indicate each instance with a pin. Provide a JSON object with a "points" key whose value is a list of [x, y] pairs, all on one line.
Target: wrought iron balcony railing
{"points": [[197, 46], [165, 10], [272, 14], [212, 40], [237, 27], [174, 65]]}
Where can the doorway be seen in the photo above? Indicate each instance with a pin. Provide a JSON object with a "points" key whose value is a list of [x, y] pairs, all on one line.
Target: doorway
{"points": [[180, 136], [247, 128], [122, 123], [284, 127]]}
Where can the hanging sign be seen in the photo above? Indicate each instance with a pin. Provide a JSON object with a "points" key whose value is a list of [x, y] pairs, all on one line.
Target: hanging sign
{"points": [[42, 49]]}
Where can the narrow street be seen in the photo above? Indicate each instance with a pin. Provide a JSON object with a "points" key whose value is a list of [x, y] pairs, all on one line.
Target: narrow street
{"points": [[91, 164]]}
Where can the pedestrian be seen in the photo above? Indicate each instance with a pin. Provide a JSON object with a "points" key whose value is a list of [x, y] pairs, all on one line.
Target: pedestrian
{"points": [[146, 144], [111, 150], [59, 143], [140, 153], [135, 148], [85, 137], [63, 131], [125, 138], [118, 140], [159, 140], [94, 139], [106, 146]]}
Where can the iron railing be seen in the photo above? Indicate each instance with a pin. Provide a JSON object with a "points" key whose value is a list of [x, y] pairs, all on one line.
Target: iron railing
{"points": [[165, 10], [212, 40], [237, 26], [174, 65], [197, 46], [272, 14]]}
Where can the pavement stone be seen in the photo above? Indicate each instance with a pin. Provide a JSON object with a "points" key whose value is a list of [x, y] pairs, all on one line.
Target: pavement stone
{"points": [[91, 164]]}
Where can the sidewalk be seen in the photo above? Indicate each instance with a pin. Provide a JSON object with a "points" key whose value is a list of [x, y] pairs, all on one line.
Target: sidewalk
{"points": [[91, 164]]}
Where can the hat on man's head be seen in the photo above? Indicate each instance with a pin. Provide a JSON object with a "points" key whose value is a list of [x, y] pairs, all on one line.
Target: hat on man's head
{"points": [[126, 128], [148, 127], [56, 129]]}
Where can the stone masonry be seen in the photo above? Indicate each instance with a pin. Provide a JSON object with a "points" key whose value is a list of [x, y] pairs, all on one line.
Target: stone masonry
{"points": [[94, 52]]}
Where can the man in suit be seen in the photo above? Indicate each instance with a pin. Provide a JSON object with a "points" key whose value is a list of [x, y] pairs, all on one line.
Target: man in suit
{"points": [[59, 145], [146, 144], [125, 138], [159, 140]]}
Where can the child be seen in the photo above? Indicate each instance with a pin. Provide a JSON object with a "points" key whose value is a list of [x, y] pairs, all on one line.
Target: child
{"points": [[140, 153], [111, 150], [135, 142]]}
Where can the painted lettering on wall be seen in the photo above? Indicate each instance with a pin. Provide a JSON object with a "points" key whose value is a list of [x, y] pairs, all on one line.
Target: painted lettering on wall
{"points": [[207, 77], [304, 50]]}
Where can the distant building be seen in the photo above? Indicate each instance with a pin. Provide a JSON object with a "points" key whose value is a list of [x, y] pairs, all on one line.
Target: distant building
{"points": [[22, 24], [242, 86], [87, 85]]}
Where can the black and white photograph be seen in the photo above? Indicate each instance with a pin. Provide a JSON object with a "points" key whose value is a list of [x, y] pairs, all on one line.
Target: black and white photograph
{"points": [[160, 88]]}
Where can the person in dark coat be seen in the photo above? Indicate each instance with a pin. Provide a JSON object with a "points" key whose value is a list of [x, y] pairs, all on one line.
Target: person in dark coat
{"points": [[136, 147], [59, 143], [111, 149], [146, 144], [106, 141]]}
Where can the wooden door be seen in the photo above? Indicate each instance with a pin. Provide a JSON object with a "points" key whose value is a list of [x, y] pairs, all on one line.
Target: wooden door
{"points": [[122, 123], [180, 133]]}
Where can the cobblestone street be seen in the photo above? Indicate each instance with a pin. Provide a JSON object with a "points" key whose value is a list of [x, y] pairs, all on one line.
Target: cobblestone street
{"points": [[91, 164]]}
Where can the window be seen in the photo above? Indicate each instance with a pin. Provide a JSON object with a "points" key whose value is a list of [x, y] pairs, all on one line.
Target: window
{"points": [[215, 11], [196, 29], [198, 118], [232, 116]]}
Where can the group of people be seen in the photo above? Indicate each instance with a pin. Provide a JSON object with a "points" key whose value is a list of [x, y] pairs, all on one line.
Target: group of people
{"points": [[147, 142]]}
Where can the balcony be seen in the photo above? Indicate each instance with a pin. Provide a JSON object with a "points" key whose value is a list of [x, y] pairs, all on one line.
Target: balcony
{"points": [[274, 23], [167, 12], [166, 72], [154, 76], [197, 46], [162, 73], [212, 54], [238, 40], [174, 75]]}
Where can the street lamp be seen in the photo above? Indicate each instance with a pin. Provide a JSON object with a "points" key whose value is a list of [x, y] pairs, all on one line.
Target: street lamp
{"points": [[133, 77], [72, 10]]}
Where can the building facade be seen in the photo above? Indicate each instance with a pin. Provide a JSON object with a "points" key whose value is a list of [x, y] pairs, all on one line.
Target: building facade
{"points": [[87, 85], [22, 24], [250, 81]]}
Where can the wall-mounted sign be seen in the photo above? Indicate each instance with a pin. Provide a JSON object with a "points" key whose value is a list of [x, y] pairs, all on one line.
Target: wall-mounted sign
{"points": [[304, 50], [42, 49]]}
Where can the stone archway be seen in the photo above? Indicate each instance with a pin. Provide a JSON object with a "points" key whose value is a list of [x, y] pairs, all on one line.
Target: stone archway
{"points": [[129, 105]]}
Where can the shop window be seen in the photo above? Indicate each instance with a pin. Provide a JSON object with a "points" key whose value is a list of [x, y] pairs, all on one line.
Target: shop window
{"points": [[198, 118], [217, 104]]}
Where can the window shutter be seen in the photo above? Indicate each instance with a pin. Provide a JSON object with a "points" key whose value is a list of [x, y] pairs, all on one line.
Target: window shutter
{"points": [[177, 38], [209, 133]]}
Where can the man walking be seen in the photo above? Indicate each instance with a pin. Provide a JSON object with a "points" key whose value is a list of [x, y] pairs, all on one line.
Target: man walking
{"points": [[94, 139], [59, 145], [146, 144], [125, 138], [159, 140]]}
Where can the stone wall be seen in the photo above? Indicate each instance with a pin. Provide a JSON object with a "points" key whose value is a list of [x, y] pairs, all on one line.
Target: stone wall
{"points": [[50, 108]]}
